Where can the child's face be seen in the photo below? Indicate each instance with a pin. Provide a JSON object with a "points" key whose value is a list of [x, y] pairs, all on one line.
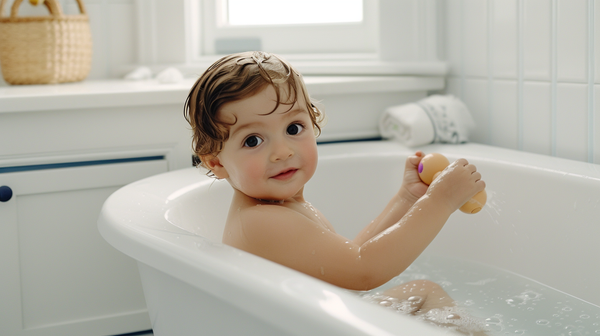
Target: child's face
{"points": [[267, 156]]}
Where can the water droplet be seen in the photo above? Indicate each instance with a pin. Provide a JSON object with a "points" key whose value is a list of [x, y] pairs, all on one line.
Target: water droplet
{"points": [[415, 299], [515, 301], [572, 331], [542, 322], [584, 316], [453, 317], [385, 303], [567, 308], [493, 320]]}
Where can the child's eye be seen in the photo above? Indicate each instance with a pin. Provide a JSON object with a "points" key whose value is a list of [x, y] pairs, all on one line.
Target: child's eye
{"points": [[294, 129], [252, 141]]}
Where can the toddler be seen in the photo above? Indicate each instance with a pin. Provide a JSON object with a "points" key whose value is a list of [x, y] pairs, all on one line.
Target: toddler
{"points": [[254, 125]]}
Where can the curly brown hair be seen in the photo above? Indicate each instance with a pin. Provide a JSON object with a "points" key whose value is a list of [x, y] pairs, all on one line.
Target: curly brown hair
{"points": [[236, 77]]}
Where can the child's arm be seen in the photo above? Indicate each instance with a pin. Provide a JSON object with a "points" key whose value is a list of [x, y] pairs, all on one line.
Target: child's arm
{"points": [[289, 238], [411, 190]]}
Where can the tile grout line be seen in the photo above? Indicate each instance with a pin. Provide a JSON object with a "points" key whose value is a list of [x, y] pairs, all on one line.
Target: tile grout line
{"points": [[591, 75], [490, 68], [520, 71], [554, 67], [463, 78]]}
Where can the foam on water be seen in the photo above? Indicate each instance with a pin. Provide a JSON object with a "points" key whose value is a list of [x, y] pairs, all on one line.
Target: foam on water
{"points": [[493, 300]]}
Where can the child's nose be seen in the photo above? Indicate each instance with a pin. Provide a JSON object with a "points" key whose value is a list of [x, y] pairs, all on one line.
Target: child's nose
{"points": [[281, 151]]}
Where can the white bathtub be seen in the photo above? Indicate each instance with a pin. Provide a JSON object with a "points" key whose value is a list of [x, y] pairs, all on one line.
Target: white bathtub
{"points": [[542, 221]]}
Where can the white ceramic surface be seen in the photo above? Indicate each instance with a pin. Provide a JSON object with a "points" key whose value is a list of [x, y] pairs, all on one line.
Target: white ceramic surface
{"points": [[541, 222]]}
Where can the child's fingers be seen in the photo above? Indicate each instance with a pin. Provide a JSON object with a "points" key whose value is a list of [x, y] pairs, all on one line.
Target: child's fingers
{"points": [[475, 176], [481, 183], [461, 162], [471, 168], [415, 159]]}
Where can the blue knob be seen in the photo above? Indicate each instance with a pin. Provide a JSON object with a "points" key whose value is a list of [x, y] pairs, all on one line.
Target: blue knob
{"points": [[5, 194]]}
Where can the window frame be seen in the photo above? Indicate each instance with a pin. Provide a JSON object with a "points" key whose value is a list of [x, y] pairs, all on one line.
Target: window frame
{"points": [[313, 39], [169, 36]]}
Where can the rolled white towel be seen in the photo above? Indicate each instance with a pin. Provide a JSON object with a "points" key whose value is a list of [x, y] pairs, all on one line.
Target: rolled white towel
{"points": [[139, 73], [169, 75], [438, 118]]}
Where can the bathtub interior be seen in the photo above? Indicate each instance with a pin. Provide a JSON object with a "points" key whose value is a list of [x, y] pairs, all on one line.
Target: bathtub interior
{"points": [[541, 219], [541, 222]]}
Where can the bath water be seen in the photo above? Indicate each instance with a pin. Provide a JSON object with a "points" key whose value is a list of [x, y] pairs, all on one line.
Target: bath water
{"points": [[500, 302]]}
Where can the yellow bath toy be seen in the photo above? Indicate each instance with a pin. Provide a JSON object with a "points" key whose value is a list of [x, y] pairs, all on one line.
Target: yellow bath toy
{"points": [[432, 165]]}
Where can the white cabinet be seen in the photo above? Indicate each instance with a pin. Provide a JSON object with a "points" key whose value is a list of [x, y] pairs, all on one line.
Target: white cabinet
{"points": [[63, 150], [59, 277]]}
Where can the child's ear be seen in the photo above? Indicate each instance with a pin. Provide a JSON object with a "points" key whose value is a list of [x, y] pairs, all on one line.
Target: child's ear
{"points": [[214, 164]]}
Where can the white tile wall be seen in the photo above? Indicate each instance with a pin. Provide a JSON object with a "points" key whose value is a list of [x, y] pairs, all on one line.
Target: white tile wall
{"points": [[537, 37], [503, 125], [476, 95], [594, 37], [504, 34], [530, 72], [596, 125], [536, 122], [571, 121], [571, 40], [475, 37]]}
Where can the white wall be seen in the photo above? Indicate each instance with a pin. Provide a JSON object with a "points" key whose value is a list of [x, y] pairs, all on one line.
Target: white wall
{"points": [[528, 69], [530, 72]]}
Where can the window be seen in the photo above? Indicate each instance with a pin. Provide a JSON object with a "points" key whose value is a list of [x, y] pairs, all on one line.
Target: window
{"points": [[278, 12], [287, 26]]}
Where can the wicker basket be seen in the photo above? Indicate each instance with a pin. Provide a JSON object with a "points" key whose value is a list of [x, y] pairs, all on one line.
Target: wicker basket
{"points": [[45, 49]]}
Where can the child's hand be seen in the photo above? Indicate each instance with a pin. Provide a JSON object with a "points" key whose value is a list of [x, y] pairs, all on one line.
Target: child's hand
{"points": [[412, 182], [457, 184]]}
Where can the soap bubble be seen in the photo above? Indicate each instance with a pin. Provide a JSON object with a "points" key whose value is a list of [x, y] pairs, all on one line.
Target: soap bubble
{"points": [[494, 323]]}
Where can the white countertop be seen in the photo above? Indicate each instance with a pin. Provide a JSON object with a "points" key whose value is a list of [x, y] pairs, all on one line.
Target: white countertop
{"points": [[110, 93]]}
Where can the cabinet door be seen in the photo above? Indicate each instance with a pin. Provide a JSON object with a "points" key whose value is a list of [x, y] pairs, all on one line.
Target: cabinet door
{"points": [[57, 275]]}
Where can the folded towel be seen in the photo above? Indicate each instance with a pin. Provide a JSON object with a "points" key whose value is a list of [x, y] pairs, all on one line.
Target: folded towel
{"points": [[438, 118]]}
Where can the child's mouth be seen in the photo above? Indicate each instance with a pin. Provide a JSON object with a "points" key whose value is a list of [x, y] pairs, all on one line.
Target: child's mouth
{"points": [[285, 174]]}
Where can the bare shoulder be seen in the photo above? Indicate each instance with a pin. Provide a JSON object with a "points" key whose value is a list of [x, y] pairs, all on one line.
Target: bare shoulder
{"points": [[274, 217], [268, 230]]}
